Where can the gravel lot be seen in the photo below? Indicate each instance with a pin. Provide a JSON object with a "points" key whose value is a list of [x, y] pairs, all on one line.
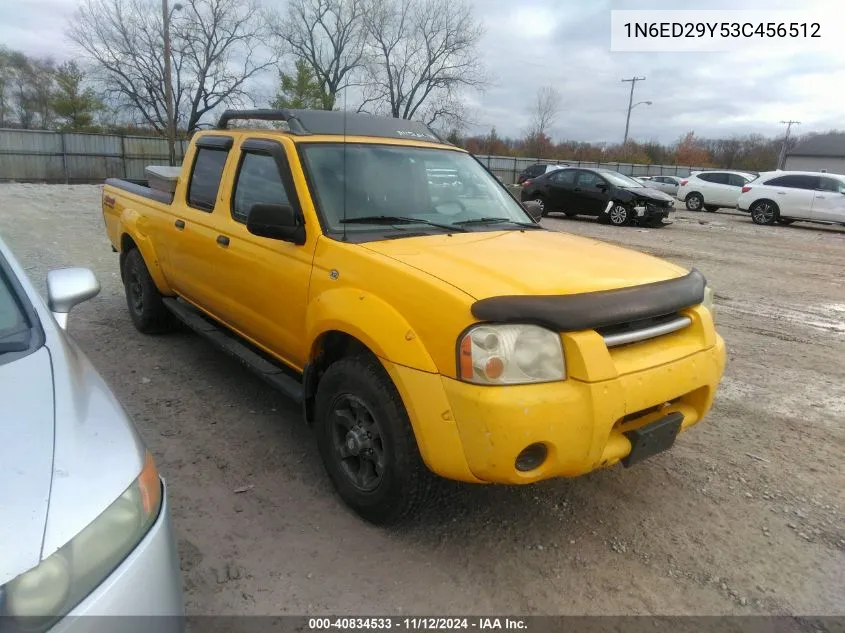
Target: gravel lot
{"points": [[745, 515]]}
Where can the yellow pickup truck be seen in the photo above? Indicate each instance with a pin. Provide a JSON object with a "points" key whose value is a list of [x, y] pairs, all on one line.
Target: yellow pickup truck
{"points": [[425, 320]]}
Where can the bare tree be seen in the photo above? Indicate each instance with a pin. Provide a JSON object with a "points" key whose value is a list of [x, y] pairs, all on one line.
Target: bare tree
{"points": [[329, 36], [422, 55], [218, 46], [545, 111]]}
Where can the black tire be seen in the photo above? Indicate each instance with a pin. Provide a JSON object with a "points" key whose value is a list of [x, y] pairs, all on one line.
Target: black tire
{"points": [[785, 221], [570, 214], [711, 209], [694, 201], [542, 202], [764, 212], [357, 402], [146, 308], [619, 214]]}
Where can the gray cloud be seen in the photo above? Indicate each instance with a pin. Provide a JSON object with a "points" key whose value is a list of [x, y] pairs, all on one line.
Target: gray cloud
{"points": [[566, 44]]}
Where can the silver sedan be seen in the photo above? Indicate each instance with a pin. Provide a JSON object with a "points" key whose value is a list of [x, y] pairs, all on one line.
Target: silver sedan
{"points": [[85, 527]]}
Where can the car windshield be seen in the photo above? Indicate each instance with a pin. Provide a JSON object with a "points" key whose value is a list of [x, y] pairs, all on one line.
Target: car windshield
{"points": [[615, 178], [357, 182], [14, 326]]}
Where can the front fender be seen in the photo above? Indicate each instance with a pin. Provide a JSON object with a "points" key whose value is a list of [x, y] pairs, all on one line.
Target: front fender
{"points": [[136, 226], [372, 321]]}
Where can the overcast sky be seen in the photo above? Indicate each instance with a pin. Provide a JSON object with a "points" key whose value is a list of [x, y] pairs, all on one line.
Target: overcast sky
{"points": [[566, 44]]}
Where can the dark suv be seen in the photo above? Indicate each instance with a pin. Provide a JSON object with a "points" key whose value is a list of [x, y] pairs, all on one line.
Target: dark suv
{"points": [[538, 169], [606, 194]]}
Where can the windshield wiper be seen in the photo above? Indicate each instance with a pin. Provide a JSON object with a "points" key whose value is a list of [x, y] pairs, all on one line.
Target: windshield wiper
{"points": [[527, 225], [398, 219]]}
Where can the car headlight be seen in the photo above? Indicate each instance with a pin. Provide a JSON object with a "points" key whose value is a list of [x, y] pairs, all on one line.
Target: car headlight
{"points": [[708, 301], [63, 579], [510, 355]]}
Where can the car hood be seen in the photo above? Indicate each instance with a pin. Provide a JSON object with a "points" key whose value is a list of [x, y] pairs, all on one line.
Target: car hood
{"points": [[648, 193], [26, 460], [526, 262]]}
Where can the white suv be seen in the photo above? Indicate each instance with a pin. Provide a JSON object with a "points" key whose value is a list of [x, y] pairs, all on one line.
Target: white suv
{"points": [[710, 190], [786, 196]]}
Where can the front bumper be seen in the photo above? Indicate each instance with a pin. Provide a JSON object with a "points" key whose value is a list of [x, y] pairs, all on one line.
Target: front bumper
{"points": [[475, 433], [143, 594]]}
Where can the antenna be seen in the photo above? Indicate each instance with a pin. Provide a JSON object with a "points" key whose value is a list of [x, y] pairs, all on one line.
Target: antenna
{"points": [[344, 163]]}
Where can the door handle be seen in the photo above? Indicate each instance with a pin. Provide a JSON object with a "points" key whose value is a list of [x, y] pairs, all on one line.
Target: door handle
{"points": [[577, 189], [223, 240], [819, 197], [781, 193], [180, 224]]}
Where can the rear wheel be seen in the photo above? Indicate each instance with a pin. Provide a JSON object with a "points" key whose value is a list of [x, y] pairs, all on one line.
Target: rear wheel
{"points": [[785, 221], [542, 202], [570, 214], [711, 209], [764, 212], [367, 444], [146, 308], [694, 201]]}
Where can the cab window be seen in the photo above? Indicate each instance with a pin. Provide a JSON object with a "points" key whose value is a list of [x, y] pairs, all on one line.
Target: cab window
{"points": [[258, 182], [205, 178], [587, 179]]}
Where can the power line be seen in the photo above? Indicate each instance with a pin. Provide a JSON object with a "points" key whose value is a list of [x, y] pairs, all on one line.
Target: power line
{"points": [[782, 156], [633, 81]]}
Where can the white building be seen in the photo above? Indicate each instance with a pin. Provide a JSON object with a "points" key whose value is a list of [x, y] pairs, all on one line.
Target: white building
{"points": [[825, 152]]}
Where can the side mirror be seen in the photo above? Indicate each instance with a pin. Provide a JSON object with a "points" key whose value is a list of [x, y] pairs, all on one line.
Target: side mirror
{"points": [[276, 221], [601, 185], [534, 210], [67, 287]]}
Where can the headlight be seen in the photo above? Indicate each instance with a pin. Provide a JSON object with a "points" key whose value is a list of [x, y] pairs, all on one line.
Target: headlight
{"points": [[708, 301], [510, 355], [63, 579]]}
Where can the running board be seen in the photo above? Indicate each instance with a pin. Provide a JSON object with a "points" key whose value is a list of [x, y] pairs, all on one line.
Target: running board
{"points": [[276, 375]]}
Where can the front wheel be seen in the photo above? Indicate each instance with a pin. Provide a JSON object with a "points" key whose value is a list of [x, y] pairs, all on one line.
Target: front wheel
{"points": [[694, 201], [619, 215], [367, 444], [785, 221], [764, 212]]}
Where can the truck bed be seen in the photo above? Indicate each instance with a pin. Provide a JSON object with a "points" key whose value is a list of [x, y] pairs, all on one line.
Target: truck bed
{"points": [[140, 188]]}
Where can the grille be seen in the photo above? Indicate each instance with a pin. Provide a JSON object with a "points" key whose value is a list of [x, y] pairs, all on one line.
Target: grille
{"points": [[643, 329]]}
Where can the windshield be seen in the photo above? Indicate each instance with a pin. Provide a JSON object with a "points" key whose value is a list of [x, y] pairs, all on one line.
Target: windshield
{"points": [[14, 325], [434, 186], [619, 180]]}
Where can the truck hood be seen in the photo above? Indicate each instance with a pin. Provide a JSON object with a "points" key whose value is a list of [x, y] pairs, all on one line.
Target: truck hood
{"points": [[526, 262], [26, 460]]}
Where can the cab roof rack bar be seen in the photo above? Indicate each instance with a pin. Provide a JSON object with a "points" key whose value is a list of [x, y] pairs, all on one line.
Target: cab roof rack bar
{"points": [[262, 114], [305, 122]]}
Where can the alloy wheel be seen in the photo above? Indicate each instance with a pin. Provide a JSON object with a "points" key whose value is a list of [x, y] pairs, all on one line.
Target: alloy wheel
{"points": [[357, 441]]}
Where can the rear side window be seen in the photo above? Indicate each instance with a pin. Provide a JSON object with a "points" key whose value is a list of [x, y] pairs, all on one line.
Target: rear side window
{"points": [[587, 179], [795, 182], [205, 178], [563, 177], [736, 180], [718, 178], [258, 182]]}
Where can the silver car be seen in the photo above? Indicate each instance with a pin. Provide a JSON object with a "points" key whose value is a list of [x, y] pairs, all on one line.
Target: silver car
{"points": [[666, 184], [85, 527]]}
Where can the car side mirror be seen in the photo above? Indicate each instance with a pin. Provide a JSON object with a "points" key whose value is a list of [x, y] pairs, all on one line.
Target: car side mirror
{"points": [[276, 221], [68, 287], [534, 210], [601, 185]]}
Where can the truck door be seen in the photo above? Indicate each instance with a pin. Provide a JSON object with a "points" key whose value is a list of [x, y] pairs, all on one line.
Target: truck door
{"points": [[265, 281], [190, 236]]}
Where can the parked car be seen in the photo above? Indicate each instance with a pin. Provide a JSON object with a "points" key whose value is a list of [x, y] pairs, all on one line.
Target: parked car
{"points": [[538, 169], [711, 190], [786, 196], [602, 193], [666, 184], [85, 526], [325, 286]]}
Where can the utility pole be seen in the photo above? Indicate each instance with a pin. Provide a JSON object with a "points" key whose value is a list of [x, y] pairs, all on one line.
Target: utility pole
{"points": [[168, 84], [633, 81], [782, 156]]}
